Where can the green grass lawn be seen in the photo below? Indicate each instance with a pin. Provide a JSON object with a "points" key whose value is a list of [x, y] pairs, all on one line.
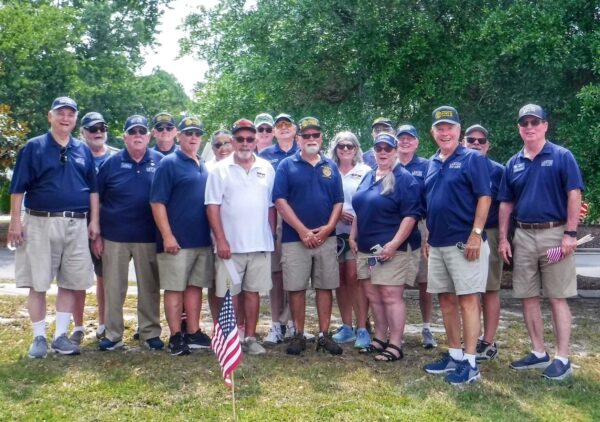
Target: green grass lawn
{"points": [[137, 384]]}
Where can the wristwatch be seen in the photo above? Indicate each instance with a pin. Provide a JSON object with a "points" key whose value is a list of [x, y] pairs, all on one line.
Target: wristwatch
{"points": [[477, 231], [570, 233]]}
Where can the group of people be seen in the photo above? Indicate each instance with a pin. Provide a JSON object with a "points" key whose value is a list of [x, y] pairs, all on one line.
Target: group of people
{"points": [[284, 217]]}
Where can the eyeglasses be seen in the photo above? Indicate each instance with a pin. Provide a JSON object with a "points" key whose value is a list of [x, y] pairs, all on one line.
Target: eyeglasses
{"points": [[311, 135], [247, 139], [219, 145], [283, 124], [530, 122], [167, 128], [264, 129], [63, 155], [349, 147], [381, 129], [386, 148], [480, 141], [95, 129], [137, 131], [192, 132]]}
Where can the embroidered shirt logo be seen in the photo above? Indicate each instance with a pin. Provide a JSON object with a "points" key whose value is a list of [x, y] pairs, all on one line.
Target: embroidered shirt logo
{"points": [[326, 172], [455, 165], [126, 165], [547, 163], [519, 167]]}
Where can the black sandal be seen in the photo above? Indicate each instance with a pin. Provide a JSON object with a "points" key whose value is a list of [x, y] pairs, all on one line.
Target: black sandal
{"points": [[388, 356], [372, 348]]}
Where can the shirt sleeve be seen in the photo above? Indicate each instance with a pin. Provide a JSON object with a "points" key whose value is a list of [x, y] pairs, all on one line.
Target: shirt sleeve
{"points": [[572, 178], [505, 193], [214, 187], [160, 191], [22, 172], [281, 185], [480, 176]]}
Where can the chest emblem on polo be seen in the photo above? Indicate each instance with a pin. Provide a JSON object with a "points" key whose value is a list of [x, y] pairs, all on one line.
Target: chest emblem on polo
{"points": [[455, 165], [356, 176], [150, 169], [260, 174], [547, 163], [326, 171], [126, 165], [80, 161], [519, 167], [418, 173]]}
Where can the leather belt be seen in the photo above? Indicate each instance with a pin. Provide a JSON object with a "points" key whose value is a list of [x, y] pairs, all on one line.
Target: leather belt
{"points": [[67, 214], [540, 226]]}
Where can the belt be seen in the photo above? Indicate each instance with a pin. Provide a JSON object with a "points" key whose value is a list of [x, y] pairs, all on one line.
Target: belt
{"points": [[540, 226], [67, 214]]}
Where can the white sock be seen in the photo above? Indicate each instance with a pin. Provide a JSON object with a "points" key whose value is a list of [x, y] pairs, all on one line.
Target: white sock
{"points": [[538, 354], [480, 338], [276, 325], [39, 328], [63, 320], [456, 354], [426, 325], [321, 334], [101, 328], [471, 359], [79, 328], [563, 360]]}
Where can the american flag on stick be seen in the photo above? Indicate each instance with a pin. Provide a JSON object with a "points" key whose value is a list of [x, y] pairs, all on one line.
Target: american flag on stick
{"points": [[226, 342], [556, 254]]}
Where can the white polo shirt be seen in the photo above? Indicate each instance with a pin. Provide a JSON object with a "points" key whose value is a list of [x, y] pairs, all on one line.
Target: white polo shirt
{"points": [[350, 182], [245, 199]]}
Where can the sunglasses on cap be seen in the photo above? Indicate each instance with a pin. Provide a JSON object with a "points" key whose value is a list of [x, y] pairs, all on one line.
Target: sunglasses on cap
{"points": [[167, 128], [349, 147], [283, 124], [530, 122], [242, 139], [221, 144], [192, 132], [137, 131], [311, 135], [94, 129], [386, 148], [480, 141], [264, 129]]}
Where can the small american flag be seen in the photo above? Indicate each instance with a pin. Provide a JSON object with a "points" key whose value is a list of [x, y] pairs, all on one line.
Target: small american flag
{"points": [[554, 255], [225, 342]]}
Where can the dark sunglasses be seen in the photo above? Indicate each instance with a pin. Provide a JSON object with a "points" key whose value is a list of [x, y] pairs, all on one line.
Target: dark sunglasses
{"points": [[386, 148], [531, 122], [349, 147], [219, 145], [264, 129], [63, 155], [167, 128], [247, 139], [311, 135], [192, 132], [137, 131], [481, 141], [95, 129]]}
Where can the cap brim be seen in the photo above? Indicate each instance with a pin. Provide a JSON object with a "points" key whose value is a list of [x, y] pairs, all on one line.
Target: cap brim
{"points": [[531, 115], [310, 127], [63, 106], [452, 122], [93, 123]]}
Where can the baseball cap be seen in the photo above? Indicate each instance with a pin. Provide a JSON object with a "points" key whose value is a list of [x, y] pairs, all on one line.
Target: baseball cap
{"points": [[92, 118], [284, 116], [61, 102], [264, 119], [386, 138], [382, 121], [242, 124], [476, 128], [191, 122], [445, 114], [532, 110], [409, 129], [309, 123], [135, 120], [164, 118]]}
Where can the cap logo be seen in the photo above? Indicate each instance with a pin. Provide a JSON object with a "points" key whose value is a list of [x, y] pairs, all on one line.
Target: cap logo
{"points": [[310, 122], [442, 114], [163, 118]]}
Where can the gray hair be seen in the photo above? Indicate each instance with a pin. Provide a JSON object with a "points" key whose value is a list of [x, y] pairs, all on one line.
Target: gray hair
{"points": [[389, 180], [216, 134], [345, 136]]}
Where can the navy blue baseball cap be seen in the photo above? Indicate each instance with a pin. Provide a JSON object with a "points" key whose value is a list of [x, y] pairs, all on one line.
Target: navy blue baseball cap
{"points": [[476, 128], [386, 138], [191, 122], [92, 118], [445, 114], [61, 102], [532, 110], [163, 118], [134, 121], [408, 129]]}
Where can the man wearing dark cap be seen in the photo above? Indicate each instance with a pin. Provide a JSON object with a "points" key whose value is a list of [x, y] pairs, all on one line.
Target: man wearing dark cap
{"points": [[243, 181], [185, 257], [164, 131], [264, 131], [309, 196], [55, 173], [380, 125], [128, 231], [476, 138], [542, 188], [458, 197]]}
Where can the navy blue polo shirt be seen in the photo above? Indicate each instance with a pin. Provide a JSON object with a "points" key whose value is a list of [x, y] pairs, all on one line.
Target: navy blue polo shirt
{"points": [[174, 148], [417, 167], [496, 171], [179, 184], [310, 191], [52, 185], [274, 154], [452, 189], [378, 216], [124, 185], [368, 158], [538, 188]]}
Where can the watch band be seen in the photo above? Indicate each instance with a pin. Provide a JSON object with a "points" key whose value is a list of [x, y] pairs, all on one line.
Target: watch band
{"points": [[571, 233]]}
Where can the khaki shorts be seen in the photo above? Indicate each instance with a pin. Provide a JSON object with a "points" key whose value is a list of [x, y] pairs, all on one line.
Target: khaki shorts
{"points": [[190, 267], [253, 269], [531, 271], [398, 271], [300, 264], [450, 272], [346, 256], [54, 247], [494, 279], [422, 261], [276, 255]]}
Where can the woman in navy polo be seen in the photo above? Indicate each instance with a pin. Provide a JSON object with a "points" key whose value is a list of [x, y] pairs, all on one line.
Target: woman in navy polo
{"points": [[385, 239]]}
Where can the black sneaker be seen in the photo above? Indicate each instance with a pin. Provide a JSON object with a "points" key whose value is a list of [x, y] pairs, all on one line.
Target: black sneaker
{"points": [[177, 346], [297, 345], [198, 340], [486, 351], [326, 344]]}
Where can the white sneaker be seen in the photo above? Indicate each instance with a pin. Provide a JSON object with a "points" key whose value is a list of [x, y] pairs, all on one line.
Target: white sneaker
{"points": [[290, 331], [273, 337]]}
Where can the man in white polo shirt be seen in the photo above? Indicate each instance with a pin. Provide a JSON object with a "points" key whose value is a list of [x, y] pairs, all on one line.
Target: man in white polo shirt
{"points": [[242, 218]]}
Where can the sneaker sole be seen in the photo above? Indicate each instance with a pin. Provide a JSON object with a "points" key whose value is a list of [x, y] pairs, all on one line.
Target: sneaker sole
{"points": [[469, 381], [438, 371], [180, 353], [568, 373], [485, 358], [198, 347], [37, 357], [349, 340], [67, 352], [429, 346], [117, 346], [541, 365]]}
